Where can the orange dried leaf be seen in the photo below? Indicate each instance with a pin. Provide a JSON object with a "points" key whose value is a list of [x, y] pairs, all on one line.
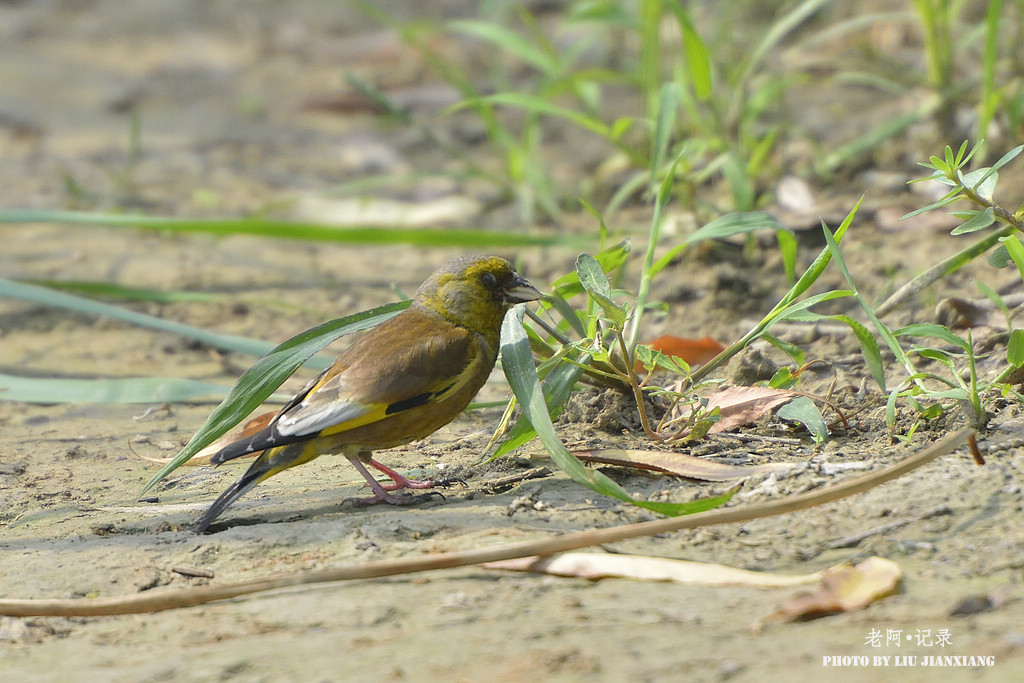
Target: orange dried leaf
{"points": [[693, 351]]}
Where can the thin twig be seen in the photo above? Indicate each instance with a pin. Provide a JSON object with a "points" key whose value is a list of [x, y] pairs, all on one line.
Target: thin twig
{"points": [[158, 600]]}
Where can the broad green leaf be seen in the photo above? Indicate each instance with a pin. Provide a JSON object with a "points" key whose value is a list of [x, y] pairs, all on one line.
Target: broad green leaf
{"points": [[259, 382], [1000, 257], [982, 181], [1015, 348], [594, 280], [522, 376], [557, 386], [980, 221], [1015, 250], [802, 409]]}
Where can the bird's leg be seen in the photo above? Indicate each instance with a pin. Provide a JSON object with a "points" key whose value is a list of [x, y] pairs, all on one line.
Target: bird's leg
{"points": [[401, 481], [380, 493]]}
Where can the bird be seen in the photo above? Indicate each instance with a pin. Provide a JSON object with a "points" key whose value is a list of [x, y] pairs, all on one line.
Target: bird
{"points": [[400, 382]]}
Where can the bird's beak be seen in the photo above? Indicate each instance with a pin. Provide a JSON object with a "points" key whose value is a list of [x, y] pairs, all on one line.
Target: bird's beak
{"points": [[521, 290]]}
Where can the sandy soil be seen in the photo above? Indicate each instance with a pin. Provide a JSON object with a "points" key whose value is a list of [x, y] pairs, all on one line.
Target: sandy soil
{"points": [[221, 91]]}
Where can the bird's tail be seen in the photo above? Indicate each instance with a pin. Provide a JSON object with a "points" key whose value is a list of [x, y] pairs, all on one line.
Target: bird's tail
{"points": [[266, 465]]}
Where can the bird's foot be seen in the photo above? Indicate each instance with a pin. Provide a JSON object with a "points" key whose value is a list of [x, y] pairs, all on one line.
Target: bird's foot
{"points": [[400, 481]]}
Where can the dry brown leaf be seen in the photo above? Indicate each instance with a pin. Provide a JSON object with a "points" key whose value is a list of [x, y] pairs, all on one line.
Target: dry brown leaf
{"points": [[678, 464], [606, 565], [741, 405], [843, 589]]}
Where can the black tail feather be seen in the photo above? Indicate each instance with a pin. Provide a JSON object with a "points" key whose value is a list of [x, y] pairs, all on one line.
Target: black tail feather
{"points": [[236, 491], [268, 437]]}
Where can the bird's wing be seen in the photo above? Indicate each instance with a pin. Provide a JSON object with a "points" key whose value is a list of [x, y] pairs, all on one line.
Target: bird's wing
{"points": [[405, 362], [373, 379]]}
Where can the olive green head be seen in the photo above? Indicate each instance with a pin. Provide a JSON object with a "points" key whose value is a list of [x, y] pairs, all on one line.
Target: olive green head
{"points": [[475, 292]]}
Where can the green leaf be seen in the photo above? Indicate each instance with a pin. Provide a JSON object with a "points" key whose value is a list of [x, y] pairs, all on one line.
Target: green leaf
{"points": [[557, 386], [49, 297], [788, 250], [539, 105], [790, 349], [121, 390], [594, 280], [668, 103], [802, 409], [982, 182], [1000, 257], [932, 330], [1008, 157], [511, 42], [522, 377], [869, 348], [115, 291], [1015, 348], [980, 221], [735, 224], [345, 234], [1015, 250], [259, 382], [698, 60]]}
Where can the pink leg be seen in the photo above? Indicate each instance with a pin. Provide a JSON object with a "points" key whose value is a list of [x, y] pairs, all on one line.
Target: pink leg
{"points": [[380, 494], [401, 482]]}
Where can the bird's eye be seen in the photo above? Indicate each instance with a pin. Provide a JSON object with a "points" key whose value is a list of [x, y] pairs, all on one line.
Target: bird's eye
{"points": [[489, 281]]}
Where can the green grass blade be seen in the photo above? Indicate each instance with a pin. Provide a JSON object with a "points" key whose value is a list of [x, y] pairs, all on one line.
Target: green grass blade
{"points": [[48, 390], [735, 224], [111, 290], [317, 232], [522, 376], [49, 297], [539, 105], [869, 348], [260, 381], [557, 387]]}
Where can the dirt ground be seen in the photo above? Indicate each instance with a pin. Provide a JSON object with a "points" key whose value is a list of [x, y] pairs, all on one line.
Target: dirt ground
{"points": [[222, 92]]}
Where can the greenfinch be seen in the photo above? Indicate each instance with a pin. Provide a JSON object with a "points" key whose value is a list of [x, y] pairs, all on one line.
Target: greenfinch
{"points": [[401, 381]]}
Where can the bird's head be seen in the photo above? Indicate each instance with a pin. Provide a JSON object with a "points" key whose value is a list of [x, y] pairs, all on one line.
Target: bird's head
{"points": [[476, 292]]}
